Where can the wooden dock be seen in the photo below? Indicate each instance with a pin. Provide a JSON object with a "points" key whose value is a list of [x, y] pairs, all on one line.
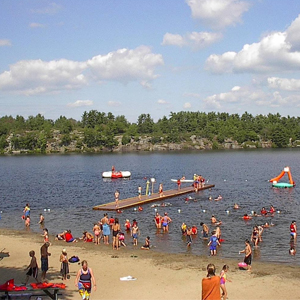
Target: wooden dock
{"points": [[134, 201]]}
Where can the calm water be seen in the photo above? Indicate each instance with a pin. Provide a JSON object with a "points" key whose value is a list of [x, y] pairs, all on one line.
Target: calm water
{"points": [[70, 185]]}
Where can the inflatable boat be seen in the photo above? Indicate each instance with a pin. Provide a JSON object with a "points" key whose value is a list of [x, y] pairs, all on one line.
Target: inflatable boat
{"points": [[182, 180], [116, 174]]}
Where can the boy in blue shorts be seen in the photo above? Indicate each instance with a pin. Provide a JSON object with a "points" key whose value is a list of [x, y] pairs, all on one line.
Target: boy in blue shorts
{"points": [[213, 243]]}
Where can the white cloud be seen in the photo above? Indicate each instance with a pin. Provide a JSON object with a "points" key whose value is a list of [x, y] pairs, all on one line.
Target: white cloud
{"points": [[272, 53], [31, 77], [284, 84], [187, 105], [51, 9], [248, 96], [126, 65], [36, 25], [195, 40], [162, 102], [293, 34], [5, 43], [80, 103], [218, 13], [114, 103], [146, 84]]}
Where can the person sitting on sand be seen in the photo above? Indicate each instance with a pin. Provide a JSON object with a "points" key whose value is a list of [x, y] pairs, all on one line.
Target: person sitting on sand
{"points": [[87, 237], [146, 246], [69, 237], [211, 284], [61, 236]]}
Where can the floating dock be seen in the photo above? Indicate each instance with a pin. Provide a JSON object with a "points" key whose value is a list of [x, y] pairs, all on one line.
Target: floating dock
{"points": [[134, 201]]}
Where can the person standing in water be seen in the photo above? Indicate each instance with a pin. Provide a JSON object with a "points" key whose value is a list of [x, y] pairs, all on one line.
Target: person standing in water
{"points": [[248, 254], [117, 195], [293, 230]]}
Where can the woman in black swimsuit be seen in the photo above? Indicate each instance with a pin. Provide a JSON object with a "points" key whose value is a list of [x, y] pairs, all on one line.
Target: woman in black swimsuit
{"points": [[115, 231]]}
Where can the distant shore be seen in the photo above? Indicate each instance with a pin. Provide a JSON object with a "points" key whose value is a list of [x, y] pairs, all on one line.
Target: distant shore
{"points": [[159, 275]]}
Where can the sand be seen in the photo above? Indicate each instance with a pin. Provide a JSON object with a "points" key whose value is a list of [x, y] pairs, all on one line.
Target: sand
{"points": [[159, 275]]}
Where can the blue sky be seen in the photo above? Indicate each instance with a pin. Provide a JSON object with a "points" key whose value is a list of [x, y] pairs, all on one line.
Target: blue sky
{"points": [[131, 57]]}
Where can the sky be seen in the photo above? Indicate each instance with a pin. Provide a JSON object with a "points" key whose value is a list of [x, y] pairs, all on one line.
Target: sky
{"points": [[131, 57]]}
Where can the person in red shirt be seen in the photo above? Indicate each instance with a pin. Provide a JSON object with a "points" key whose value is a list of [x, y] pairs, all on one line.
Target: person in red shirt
{"points": [[263, 211], [293, 230]]}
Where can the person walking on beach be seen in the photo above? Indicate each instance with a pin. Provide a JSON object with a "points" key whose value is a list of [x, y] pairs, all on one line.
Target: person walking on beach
{"points": [[117, 195], [84, 280], [211, 285], [223, 280], [64, 268], [44, 259], [248, 254], [140, 192], [32, 268], [293, 230]]}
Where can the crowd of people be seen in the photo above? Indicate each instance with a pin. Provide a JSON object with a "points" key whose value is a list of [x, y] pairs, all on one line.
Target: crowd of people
{"points": [[109, 231]]}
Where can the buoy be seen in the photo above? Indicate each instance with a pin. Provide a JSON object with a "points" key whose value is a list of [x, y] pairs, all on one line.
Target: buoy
{"points": [[45, 209], [179, 210], [203, 210], [224, 179], [48, 209], [134, 209], [278, 211], [227, 211], [155, 209]]}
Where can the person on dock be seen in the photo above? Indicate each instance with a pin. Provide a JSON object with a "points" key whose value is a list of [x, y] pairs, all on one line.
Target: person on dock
{"points": [[205, 231], [140, 192], [135, 233], [117, 195], [161, 190], [178, 184], [165, 222], [157, 220], [248, 254]]}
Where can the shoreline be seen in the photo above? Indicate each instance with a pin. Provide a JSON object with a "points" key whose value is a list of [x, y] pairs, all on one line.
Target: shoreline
{"points": [[171, 276]]}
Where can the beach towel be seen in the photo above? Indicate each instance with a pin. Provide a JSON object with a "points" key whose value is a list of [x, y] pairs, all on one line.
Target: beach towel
{"points": [[127, 278]]}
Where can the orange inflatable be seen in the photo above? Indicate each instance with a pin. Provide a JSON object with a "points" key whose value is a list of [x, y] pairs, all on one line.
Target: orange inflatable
{"points": [[275, 180]]}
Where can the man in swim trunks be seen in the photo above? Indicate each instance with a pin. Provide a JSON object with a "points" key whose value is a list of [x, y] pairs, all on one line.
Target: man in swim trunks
{"points": [[205, 230], [135, 233], [248, 254], [44, 259], [32, 268], [140, 192]]}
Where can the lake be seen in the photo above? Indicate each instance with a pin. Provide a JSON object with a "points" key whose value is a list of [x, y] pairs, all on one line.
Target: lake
{"points": [[68, 186]]}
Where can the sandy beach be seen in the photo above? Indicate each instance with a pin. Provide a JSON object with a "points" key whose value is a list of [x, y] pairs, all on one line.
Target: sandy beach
{"points": [[159, 275]]}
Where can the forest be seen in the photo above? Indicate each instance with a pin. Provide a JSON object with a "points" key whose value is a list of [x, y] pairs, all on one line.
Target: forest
{"points": [[98, 129]]}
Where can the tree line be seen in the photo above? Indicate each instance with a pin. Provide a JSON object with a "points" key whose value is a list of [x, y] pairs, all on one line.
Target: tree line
{"points": [[98, 129]]}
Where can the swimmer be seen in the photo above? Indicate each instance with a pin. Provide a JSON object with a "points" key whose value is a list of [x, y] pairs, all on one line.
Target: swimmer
{"points": [[219, 198], [215, 221], [246, 217], [292, 250], [183, 228], [189, 236], [213, 243], [236, 206], [272, 210], [254, 214], [263, 212], [205, 230], [210, 198], [165, 222], [293, 230]]}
